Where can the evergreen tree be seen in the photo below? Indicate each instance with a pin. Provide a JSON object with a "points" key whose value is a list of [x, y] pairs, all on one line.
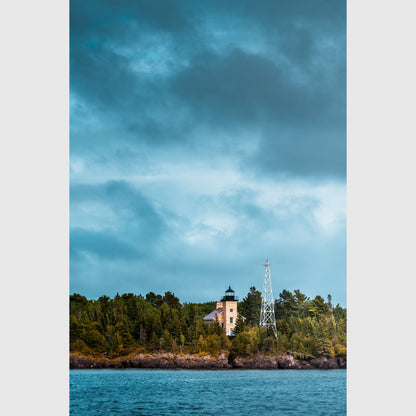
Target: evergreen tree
{"points": [[171, 300], [329, 302], [240, 324], [250, 307], [155, 300]]}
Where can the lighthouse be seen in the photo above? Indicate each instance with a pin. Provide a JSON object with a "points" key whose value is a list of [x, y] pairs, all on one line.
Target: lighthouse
{"points": [[225, 312]]}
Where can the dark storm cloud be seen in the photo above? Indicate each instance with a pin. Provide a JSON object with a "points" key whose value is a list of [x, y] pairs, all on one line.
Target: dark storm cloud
{"points": [[103, 244], [107, 19], [134, 225], [241, 87], [303, 125], [302, 122]]}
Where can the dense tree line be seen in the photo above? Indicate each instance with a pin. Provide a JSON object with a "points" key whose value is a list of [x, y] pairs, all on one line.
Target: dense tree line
{"points": [[134, 323], [308, 327]]}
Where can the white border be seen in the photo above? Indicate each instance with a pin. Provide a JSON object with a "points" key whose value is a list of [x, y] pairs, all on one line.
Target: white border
{"points": [[381, 206], [34, 219]]}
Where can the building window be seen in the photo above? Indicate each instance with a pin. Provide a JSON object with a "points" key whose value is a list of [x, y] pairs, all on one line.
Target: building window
{"points": [[231, 320], [231, 310]]}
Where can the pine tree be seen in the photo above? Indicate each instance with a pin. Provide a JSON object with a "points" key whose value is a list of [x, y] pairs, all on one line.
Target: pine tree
{"points": [[240, 325], [250, 307]]}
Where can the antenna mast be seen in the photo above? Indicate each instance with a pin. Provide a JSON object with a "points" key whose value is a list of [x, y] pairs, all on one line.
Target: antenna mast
{"points": [[267, 317]]}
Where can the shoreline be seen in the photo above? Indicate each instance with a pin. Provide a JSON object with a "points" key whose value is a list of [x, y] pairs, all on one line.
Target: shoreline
{"points": [[163, 360]]}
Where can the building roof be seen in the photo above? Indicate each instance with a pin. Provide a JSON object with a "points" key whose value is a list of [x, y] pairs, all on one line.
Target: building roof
{"points": [[211, 316]]}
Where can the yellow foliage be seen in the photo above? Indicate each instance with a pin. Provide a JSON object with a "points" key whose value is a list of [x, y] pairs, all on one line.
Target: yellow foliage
{"points": [[340, 349]]}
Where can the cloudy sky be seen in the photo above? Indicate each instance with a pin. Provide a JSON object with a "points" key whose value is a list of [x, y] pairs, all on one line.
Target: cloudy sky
{"points": [[205, 137]]}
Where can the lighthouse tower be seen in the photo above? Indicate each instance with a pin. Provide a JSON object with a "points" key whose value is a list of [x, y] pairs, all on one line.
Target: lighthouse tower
{"points": [[229, 306]]}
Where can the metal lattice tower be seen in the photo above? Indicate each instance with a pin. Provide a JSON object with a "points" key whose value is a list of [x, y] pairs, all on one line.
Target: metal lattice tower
{"points": [[267, 317]]}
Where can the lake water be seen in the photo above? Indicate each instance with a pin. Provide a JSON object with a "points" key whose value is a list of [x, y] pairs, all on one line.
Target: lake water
{"points": [[207, 392]]}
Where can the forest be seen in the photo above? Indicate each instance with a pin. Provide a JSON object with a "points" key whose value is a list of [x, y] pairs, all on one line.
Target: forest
{"points": [[131, 323]]}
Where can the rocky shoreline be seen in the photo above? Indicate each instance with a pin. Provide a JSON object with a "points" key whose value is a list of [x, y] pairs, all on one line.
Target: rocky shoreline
{"points": [[198, 362]]}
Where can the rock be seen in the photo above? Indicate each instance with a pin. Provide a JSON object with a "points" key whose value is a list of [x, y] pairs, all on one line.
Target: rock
{"points": [[287, 361], [342, 362], [325, 363], [305, 365], [195, 361]]}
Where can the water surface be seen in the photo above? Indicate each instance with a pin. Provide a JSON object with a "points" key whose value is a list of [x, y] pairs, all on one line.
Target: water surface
{"points": [[207, 392]]}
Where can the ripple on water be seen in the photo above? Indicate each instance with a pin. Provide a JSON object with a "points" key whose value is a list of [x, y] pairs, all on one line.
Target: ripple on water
{"points": [[210, 392]]}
